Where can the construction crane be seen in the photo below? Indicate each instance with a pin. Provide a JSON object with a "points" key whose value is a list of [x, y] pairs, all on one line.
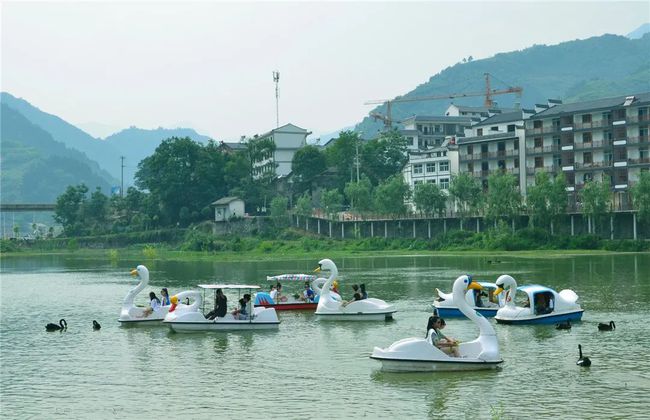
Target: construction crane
{"points": [[488, 93]]}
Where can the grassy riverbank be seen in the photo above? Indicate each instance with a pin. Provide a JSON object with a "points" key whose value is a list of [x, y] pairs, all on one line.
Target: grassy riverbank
{"points": [[288, 243]]}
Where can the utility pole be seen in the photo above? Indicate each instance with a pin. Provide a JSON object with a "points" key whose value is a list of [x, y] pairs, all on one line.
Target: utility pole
{"points": [[356, 159], [276, 80], [122, 179]]}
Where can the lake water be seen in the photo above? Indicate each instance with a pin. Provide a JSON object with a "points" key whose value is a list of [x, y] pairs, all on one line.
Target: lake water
{"points": [[312, 369]]}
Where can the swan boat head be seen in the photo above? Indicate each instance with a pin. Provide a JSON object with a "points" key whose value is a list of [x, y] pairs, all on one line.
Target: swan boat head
{"points": [[509, 285], [129, 310]]}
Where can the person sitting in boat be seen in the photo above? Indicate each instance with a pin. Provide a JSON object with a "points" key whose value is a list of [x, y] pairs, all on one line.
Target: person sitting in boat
{"points": [[164, 297], [542, 306], [362, 290], [335, 287], [242, 311], [279, 297], [446, 344], [273, 292], [308, 294], [356, 296], [220, 306], [478, 302], [154, 305], [526, 303]]}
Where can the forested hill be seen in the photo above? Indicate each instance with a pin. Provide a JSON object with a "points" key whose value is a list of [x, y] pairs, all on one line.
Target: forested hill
{"points": [[607, 65], [36, 168], [136, 144]]}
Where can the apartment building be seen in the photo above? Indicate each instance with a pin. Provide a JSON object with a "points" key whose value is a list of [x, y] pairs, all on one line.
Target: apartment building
{"points": [[424, 132], [287, 139], [604, 139], [495, 144]]}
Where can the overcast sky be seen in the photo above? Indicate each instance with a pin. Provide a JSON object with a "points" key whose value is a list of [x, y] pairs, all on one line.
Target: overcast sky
{"points": [[208, 65]]}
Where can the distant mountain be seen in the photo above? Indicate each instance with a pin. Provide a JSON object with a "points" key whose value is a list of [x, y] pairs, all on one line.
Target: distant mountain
{"points": [[607, 65], [136, 144], [639, 32], [98, 130], [36, 168], [107, 159]]}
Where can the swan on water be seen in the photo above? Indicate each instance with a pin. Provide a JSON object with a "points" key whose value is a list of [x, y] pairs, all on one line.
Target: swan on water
{"points": [[96, 325], [582, 361], [606, 327], [54, 327]]}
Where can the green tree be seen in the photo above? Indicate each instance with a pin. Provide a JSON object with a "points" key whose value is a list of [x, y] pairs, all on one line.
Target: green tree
{"points": [[641, 197], [384, 156], [182, 173], [557, 201], [69, 209], [390, 196], [503, 198], [466, 191], [538, 200], [429, 199], [596, 202], [303, 205], [331, 201], [341, 154], [97, 207], [359, 194], [306, 165]]}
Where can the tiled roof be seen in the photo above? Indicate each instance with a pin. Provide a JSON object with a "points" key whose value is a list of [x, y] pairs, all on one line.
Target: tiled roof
{"points": [[598, 104]]}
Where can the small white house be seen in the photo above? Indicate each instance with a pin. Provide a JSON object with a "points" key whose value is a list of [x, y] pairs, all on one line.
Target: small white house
{"points": [[228, 207]]}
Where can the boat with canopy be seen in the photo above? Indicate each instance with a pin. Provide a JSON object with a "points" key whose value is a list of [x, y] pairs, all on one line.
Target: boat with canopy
{"points": [[484, 301], [297, 301], [191, 318]]}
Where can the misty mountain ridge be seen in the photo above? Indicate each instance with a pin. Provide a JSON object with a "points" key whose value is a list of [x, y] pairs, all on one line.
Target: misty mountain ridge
{"points": [[603, 66]]}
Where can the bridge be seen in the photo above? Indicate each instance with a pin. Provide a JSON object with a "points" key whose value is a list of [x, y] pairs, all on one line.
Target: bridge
{"points": [[26, 207]]}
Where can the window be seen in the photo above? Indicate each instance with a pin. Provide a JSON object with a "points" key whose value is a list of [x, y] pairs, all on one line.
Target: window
{"points": [[444, 166], [587, 177], [586, 118], [516, 163], [485, 166], [470, 167], [502, 164], [431, 181], [537, 124], [495, 128], [431, 167], [470, 150], [587, 158], [586, 137], [444, 153], [419, 127], [444, 183], [516, 144], [417, 169], [438, 129], [643, 152], [557, 160], [511, 128], [501, 146], [539, 162], [484, 148], [557, 141], [418, 182], [538, 142], [479, 131]]}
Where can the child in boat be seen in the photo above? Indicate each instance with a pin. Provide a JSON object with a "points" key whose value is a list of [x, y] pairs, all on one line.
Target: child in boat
{"points": [[242, 311], [446, 344], [154, 305]]}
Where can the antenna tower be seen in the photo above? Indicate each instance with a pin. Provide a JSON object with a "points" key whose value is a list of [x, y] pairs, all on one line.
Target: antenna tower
{"points": [[276, 80]]}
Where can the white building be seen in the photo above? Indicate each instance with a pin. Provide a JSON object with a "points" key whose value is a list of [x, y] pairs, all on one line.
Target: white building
{"points": [[287, 139], [228, 207]]}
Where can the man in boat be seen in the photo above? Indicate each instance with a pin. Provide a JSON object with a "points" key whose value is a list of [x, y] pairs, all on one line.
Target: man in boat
{"points": [[308, 294]]}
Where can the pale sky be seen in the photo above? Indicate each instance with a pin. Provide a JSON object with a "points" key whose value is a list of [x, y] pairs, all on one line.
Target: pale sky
{"points": [[208, 65]]}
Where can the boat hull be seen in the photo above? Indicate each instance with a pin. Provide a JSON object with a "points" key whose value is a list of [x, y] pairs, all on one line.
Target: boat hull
{"points": [[359, 316], [298, 306], [451, 312], [183, 327], [140, 322], [542, 319], [410, 365]]}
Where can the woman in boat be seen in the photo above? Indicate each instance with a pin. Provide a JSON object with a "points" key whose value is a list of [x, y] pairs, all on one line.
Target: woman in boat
{"points": [[356, 296], [279, 297], [362, 288], [446, 344], [154, 305], [242, 311], [220, 306], [164, 297]]}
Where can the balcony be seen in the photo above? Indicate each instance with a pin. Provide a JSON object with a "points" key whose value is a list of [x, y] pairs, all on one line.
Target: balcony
{"points": [[638, 139], [541, 150], [592, 165], [639, 161], [549, 169], [638, 118], [592, 145]]}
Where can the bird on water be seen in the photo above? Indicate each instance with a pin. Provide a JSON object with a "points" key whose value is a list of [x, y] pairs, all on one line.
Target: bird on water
{"points": [[582, 361], [54, 327]]}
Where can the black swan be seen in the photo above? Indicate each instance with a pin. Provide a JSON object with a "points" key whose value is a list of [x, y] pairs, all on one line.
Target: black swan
{"points": [[582, 361], [53, 327], [96, 325], [563, 325], [607, 327]]}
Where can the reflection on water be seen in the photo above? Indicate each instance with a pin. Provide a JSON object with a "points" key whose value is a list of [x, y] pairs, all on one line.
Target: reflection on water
{"points": [[132, 372]]}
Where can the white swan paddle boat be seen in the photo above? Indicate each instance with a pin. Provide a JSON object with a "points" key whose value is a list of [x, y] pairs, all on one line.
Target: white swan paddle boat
{"points": [[331, 308], [420, 355], [545, 305], [264, 299], [190, 318], [487, 304], [134, 315]]}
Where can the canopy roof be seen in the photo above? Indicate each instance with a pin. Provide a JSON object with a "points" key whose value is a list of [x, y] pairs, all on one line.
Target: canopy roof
{"points": [[292, 277], [227, 286], [534, 288]]}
